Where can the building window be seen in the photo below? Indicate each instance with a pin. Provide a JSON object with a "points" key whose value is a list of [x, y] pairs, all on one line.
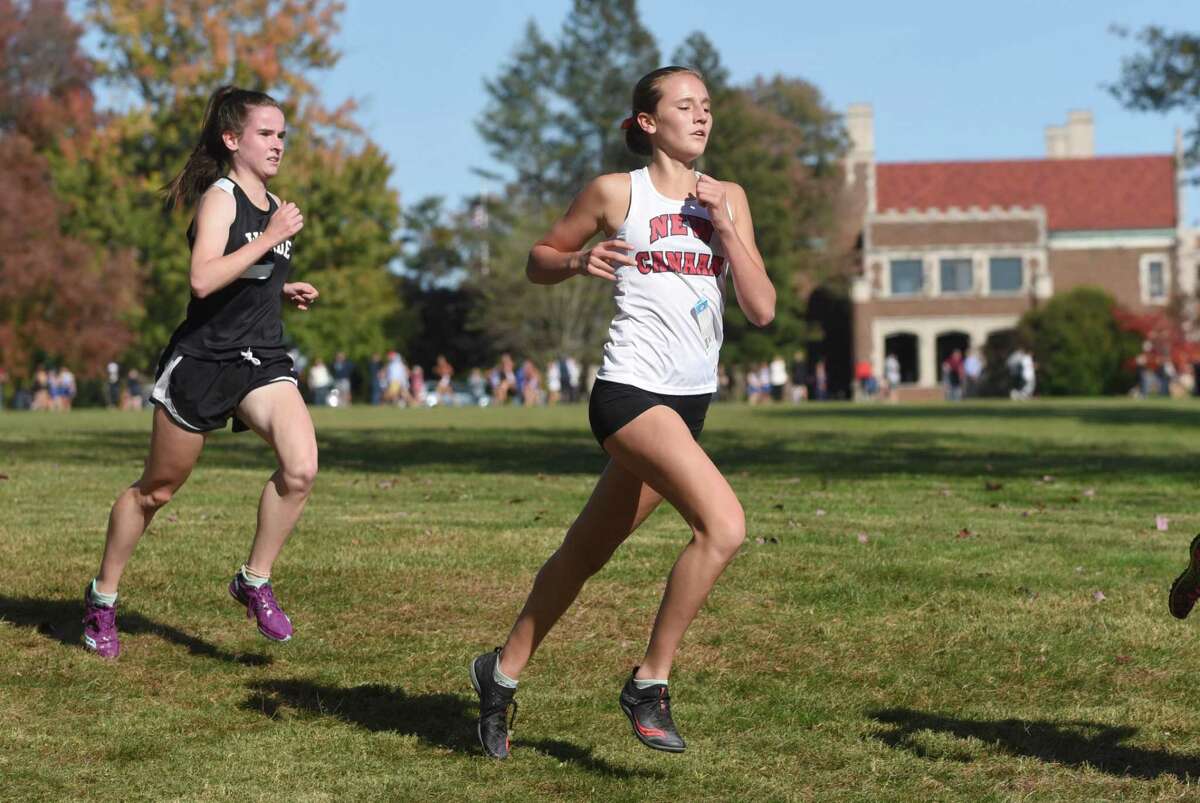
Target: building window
{"points": [[957, 275], [1005, 275], [908, 277], [1156, 278], [1155, 281]]}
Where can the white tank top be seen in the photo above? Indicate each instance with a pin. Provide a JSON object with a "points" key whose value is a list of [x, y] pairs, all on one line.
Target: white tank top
{"points": [[667, 333]]}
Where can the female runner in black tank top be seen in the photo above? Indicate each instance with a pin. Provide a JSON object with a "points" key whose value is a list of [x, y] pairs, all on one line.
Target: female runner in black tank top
{"points": [[226, 359]]}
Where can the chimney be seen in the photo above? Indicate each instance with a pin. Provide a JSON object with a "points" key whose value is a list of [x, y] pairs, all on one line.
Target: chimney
{"points": [[1075, 140], [1056, 142], [860, 125], [1081, 136]]}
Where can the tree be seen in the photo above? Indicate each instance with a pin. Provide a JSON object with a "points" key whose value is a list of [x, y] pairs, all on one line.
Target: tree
{"points": [[553, 118], [1162, 77], [171, 54], [779, 140], [59, 298], [1080, 346]]}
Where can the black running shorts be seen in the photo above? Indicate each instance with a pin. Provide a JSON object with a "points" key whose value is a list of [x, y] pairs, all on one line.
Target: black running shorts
{"points": [[613, 405], [201, 395]]}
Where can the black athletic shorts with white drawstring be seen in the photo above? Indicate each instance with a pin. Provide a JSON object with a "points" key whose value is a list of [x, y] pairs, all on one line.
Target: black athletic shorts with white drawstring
{"points": [[201, 395]]}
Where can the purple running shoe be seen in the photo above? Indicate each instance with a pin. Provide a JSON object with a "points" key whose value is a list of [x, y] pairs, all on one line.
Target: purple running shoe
{"points": [[261, 605], [100, 627]]}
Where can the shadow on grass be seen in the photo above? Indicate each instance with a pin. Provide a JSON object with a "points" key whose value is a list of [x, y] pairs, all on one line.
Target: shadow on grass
{"points": [[1072, 744], [810, 440], [439, 720], [61, 620]]}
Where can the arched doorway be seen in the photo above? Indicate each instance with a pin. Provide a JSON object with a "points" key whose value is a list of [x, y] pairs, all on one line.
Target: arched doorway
{"points": [[904, 346], [947, 343]]}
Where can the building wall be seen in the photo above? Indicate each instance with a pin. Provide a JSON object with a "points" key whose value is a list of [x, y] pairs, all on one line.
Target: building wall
{"points": [[1117, 270]]}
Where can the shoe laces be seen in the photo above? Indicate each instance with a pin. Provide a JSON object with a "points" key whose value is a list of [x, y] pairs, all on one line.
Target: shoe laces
{"points": [[502, 709], [102, 617], [263, 597]]}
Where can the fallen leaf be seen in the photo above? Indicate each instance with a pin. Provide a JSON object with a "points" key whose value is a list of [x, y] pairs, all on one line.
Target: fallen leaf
{"points": [[1098, 596], [3, 476], [1047, 478], [1078, 570], [1124, 659], [172, 518], [1028, 593], [991, 485], [863, 538], [516, 500], [760, 540], [1089, 492], [946, 492], [819, 512], [355, 542], [1161, 523], [965, 533]]}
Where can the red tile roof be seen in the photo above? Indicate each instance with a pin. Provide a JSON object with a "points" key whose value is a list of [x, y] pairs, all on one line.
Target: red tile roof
{"points": [[1106, 192]]}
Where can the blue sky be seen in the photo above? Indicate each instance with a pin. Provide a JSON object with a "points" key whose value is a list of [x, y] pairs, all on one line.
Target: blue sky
{"points": [[948, 80]]}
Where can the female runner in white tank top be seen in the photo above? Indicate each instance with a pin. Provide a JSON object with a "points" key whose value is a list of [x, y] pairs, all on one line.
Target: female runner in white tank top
{"points": [[674, 235]]}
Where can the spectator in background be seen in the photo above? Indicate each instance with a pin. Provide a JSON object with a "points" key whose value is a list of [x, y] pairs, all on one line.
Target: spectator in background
{"points": [[553, 382], [3, 385], [320, 382], [113, 375], [132, 400], [416, 385], [41, 389], [758, 384], [972, 373], [891, 372], [1024, 375], [864, 377], [376, 379], [952, 376], [504, 379], [799, 377], [343, 372], [572, 377], [477, 386], [445, 372], [779, 377], [530, 381], [66, 388], [398, 391], [820, 381]]}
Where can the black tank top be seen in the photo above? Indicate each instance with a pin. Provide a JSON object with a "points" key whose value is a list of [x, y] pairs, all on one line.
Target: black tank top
{"points": [[244, 314]]}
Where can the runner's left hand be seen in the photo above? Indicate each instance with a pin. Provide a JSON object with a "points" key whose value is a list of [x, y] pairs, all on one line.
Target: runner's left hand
{"points": [[302, 294], [711, 195]]}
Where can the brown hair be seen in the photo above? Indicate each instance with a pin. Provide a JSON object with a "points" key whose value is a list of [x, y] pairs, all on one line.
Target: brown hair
{"points": [[646, 95], [226, 111]]}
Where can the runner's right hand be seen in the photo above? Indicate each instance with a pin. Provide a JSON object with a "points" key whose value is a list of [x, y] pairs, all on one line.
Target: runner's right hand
{"points": [[284, 224], [603, 259]]}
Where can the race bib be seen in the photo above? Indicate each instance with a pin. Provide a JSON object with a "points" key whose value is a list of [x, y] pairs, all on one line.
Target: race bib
{"points": [[706, 323]]}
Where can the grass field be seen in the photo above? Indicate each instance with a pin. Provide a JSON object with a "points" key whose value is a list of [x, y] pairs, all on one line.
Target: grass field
{"points": [[934, 602]]}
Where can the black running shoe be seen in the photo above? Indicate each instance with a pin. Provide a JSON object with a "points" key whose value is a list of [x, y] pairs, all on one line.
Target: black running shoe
{"points": [[1186, 588], [494, 701], [649, 711]]}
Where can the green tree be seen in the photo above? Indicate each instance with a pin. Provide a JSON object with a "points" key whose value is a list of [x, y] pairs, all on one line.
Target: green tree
{"points": [[1078, 344], [781, 142], [170, 55], [60, 297], [1163, 76], [553, 119]]}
